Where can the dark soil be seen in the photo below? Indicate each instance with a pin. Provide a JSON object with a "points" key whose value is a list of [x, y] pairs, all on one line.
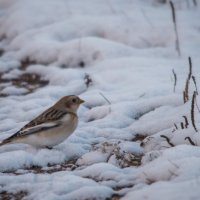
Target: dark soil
{"points": [[14, 196], [29, 81]]}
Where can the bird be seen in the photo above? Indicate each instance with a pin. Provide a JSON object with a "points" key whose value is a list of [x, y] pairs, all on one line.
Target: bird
{"points": [[51, 127]]}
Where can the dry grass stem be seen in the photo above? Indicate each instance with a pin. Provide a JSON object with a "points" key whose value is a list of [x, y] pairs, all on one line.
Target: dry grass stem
{"points": [[192, 111], [190, 140], [175, 79], [105, 98], [176, 126], [175, 28], [186, 121], [88, 80], [186, 91], [195, 2], [195, 84], [106, 101], [182, 125], [167, 139]]}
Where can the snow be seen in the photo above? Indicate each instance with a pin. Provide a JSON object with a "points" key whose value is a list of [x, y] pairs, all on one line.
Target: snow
{"points": [[129, 142]]}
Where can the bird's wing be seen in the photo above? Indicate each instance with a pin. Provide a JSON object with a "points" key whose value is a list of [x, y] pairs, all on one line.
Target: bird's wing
{"points": [[51, 118], [36, 129], [50, 115]]}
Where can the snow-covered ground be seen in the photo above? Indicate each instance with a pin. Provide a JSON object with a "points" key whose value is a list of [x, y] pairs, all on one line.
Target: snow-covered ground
{"points": [[136, 138]]}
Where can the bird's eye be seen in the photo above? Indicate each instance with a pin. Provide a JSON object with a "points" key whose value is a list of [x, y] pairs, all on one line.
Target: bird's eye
{"points": [[74, 100]]}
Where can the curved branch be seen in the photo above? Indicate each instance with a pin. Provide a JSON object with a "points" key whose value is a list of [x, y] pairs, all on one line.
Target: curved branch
{"points": [[167, 139]]}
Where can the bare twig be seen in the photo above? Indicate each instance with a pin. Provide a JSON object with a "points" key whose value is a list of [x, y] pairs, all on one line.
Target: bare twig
{"points": [[88, 80], [186, 92], [109, 156], [142, 95], [190, 140], [175, 79], [167, 139], [175, 28], [106, 101], [176, 126], [184, 98], [195, 84], [186, 121], [190, 67], [105, 98], [174, 164], [192, 111], [172, 173], [195, 2], [182, 125]]}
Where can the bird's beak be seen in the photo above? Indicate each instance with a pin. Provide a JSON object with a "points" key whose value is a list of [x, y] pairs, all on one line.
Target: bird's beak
{"points": [[81, 101]]}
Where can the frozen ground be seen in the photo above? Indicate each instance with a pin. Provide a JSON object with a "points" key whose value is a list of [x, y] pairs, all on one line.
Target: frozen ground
{"points": [[134, 145]]}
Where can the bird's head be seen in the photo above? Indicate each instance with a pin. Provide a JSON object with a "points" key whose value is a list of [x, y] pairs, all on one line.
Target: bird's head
{"points": [[70, 103]]}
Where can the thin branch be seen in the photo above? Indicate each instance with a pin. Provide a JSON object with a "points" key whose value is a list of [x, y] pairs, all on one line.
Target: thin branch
{"points": [[105, 98], [88, 80], [182, 125], [184, 98], [190, 140], [175, 79], [167, 139], [176, 126], [142, 95], [174, 164], [194, 81], [190, 67], [173, 12], [195, 2], [172, 173], [106, 101], [192, 111], [186, 121], [186, 92], [175, 28], [187, 89]]}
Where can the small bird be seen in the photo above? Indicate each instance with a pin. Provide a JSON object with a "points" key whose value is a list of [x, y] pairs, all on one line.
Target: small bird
{"points": [[51, 127]]}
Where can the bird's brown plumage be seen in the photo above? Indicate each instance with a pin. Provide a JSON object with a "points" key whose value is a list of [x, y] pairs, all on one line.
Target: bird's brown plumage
{"points": [[66, 105]]}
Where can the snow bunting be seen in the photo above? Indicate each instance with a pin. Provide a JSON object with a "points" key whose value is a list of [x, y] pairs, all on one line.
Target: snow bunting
{"points": [[50, 128]]}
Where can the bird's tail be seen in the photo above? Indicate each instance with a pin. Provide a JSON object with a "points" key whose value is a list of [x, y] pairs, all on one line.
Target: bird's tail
{"points": [[1, 143]]}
